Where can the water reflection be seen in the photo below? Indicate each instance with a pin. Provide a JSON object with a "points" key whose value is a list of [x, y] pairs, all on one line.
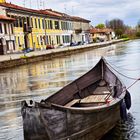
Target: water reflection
{"points": [[123, 130], [40, 80]]}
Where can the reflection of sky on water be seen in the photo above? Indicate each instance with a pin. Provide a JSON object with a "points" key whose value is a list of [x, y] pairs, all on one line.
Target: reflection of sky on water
{"points": [[40, 80]]}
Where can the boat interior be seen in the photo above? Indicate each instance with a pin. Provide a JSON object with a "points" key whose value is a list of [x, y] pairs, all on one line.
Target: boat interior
{"points": [[103, 94]]}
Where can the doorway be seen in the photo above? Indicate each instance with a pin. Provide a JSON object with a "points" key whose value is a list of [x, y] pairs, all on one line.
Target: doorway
{"points": [[1, 47]]}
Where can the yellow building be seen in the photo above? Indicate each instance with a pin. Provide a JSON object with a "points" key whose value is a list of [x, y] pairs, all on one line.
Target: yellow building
{"points": [[38, 29], [2, 1]]}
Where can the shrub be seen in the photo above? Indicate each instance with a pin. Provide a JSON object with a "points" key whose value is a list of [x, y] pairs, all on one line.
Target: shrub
{"points": [[137, 34], [23, 56], [124, 36], [94, 40]]}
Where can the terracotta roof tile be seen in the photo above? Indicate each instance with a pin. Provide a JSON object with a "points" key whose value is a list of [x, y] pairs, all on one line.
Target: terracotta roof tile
{"points": [[80, 19], [48, 12], [104, 30]]}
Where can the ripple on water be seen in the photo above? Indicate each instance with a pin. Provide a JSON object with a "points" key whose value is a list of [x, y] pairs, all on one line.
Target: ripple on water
{"points": [[39, 80]]}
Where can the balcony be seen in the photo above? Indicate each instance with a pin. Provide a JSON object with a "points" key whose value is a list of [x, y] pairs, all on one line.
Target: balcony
{"points": [[27, 29], [78, 31]]}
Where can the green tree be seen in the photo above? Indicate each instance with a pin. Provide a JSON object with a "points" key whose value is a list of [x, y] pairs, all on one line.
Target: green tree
{"points": [[138, 24], [137, 34], [119, 32], [117, 25], [100, 26]]}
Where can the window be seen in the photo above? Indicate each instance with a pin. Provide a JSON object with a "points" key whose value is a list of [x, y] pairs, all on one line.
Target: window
{"points": [[39, 24], [16, 22], [58, 39], [65, 25], [56, 23], [32, 23], [50, 40], [35, 23], [47, 40], [14, 45], [62, 25], [20, 22], [51, 26], [46, 24], [18, 41], [38, 41], [66, 39], [41, 40], [43, 24], [5, 28], [1, 28], [7, 45], [44, 38], [28, 21], [11, 28], [63, 37]]}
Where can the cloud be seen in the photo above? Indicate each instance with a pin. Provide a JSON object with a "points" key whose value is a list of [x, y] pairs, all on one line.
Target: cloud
{"points": [[98, 11]]}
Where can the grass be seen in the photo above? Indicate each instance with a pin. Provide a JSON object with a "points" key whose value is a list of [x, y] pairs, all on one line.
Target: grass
{"points": [[23, 56]]}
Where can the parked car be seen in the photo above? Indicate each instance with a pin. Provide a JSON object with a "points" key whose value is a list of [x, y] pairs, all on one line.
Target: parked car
{"points": [[27, 50], [73, 44], [49, 47], [80, 43]]}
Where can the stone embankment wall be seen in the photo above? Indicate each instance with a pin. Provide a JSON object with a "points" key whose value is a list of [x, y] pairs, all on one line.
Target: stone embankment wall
{"points": [[49, 54]]}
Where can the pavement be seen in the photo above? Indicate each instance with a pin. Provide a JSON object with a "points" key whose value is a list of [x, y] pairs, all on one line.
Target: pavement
{"points": [[45, 52]]}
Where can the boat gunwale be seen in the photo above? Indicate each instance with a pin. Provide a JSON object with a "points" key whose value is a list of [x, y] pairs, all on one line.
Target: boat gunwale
{"points": [[75, 80], [86, 109]]}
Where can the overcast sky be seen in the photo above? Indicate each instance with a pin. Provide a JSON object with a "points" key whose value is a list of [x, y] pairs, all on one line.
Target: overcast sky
{"points": [[98, 11]]}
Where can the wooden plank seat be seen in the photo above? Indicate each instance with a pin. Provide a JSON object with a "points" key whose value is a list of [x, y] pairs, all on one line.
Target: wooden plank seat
{"points": [[101, 90], [98, 97], [95, 99], [69, 104]]}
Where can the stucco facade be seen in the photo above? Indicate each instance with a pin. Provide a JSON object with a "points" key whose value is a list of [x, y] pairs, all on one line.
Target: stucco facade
{"points": [[37, 29], [81, 31], [104, 34], [7, 38]]}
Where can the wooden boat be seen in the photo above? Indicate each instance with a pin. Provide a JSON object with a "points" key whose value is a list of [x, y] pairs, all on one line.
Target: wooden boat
{"points": [[85, 109]]}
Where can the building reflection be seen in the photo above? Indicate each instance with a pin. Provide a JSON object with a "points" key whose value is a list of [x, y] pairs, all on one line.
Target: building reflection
{"points": [[123, 130], [38, 81]]}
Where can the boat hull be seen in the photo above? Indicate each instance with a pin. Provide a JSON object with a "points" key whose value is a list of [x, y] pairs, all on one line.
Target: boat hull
{"points": [[53, 119], [55, 123]]}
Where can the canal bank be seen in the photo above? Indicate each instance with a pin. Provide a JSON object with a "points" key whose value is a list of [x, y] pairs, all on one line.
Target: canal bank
{"points": [[12, 60], [40, 80]]}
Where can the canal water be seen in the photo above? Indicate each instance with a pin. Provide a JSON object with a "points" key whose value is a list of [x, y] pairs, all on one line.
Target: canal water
{"points": [[39, 80]]}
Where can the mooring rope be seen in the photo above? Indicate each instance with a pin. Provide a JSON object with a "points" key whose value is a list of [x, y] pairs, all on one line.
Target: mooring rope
{"points": [[128, 77], [132, 78], [119, 67], [107, 97], [133, 83]]}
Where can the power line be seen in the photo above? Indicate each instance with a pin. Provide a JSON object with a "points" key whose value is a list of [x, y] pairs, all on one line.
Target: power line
{"points": [[128, 77], [124, 68]]}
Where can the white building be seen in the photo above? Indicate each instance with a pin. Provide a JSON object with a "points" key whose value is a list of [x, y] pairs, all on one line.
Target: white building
{"points": [[7, 39], [81, 29]]}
